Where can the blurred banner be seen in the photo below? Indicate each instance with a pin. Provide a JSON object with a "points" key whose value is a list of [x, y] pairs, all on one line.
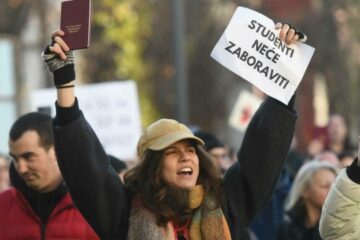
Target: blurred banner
{"points": [[111, 108], [244, 109], [7, 90], [251, 48]]}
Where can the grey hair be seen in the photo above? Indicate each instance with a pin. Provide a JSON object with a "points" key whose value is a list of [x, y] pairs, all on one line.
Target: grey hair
{"points": [[303, 179]]}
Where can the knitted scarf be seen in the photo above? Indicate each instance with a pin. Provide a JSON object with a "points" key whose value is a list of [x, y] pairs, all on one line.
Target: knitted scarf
{"points": [[207, 223]]}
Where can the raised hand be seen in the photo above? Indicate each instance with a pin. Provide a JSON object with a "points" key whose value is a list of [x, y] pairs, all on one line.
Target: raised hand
{"points": [[60, 61], [289, 35], [58, 45], [58, 58]]}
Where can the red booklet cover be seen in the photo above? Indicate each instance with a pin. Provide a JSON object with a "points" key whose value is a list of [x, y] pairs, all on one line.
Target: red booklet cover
{"points": [[75, 22]]}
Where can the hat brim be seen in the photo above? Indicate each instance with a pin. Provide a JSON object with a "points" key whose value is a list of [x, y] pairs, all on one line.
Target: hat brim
{"points": [[167, 140]]}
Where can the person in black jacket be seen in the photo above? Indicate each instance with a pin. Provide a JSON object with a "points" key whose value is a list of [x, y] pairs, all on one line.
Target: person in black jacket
{"points": [[216, 149], [174, 192]]}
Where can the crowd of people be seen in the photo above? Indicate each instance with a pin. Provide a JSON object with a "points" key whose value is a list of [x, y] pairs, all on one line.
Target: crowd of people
{"points": [[280, 218], [59, 183]]}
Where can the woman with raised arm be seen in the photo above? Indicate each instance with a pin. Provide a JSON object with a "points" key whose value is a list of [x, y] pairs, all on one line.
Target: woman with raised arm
{"points": [[174, 192]]}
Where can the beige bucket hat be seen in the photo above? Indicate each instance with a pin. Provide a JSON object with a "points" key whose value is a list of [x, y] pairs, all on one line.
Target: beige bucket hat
{"points": [[162, 133]]}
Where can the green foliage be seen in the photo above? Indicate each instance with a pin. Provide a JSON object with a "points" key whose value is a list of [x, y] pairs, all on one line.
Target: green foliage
{"points": [[127, 26]]}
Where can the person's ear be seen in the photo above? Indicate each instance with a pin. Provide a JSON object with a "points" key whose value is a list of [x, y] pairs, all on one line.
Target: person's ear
{"points": [[52, 153]]}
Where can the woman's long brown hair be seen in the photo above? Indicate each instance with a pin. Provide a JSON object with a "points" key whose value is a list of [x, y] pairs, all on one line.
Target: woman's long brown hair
{"points": [[167, 203]]}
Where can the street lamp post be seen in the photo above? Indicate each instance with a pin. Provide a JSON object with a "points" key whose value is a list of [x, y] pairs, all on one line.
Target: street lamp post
{"points": [[180, 61]]}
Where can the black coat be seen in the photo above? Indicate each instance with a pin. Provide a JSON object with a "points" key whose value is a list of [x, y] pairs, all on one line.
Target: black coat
{"points": [[105, 202], [293, 228]]}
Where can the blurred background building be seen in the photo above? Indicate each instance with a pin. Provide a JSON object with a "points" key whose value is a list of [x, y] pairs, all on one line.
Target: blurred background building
{"points": [[134, 39]]}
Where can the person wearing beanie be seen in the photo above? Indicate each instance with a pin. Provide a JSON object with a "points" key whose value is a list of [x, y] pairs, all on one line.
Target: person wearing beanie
{"points": [[174, 192], [217, 150], [209, 139]]}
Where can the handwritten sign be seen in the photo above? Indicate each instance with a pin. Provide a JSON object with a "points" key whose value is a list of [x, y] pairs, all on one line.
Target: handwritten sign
{"points": [[112, 110], [244, 109], [251, 48]]}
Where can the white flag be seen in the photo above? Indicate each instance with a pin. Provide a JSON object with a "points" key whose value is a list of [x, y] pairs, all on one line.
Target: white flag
{"points": [[244, 109]]}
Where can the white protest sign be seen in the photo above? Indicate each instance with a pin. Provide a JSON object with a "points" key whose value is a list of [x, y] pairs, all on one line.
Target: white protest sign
{"points": [[112, 110], [244, 109], [250, 47]]}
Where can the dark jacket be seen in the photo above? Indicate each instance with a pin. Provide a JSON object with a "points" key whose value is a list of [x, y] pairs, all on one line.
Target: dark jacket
{"points": [[269, 218], [105, 202], [293, 228]]}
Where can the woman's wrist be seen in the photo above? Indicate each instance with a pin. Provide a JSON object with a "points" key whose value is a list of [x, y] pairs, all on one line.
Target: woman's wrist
{"points": [[63, 70], [66, 94]]}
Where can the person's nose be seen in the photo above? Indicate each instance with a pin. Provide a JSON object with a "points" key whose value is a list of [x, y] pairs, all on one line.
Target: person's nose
{"points": [[184, 155], [21, 166]]}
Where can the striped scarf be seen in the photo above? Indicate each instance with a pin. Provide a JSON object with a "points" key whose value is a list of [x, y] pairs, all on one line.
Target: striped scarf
{"points": [[207, 223]]}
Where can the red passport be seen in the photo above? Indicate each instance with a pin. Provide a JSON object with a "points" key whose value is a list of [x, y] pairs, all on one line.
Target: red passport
{"points": [[75, 22]]}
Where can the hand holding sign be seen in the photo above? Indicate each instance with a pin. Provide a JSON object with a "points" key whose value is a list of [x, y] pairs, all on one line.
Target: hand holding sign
{"points": [[253, 48], [289, 34]]}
